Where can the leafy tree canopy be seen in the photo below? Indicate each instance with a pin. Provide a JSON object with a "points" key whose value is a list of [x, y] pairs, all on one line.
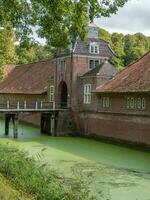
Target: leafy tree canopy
{"points": [[17, 14], [62, 21], [127, 47], [57, 21], [7, 48]]}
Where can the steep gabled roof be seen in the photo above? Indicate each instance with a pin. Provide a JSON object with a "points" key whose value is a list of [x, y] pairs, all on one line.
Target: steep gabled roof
{"points": [[82, 48], [93, 72], [105, 69], [28, 79], [134, 78]]}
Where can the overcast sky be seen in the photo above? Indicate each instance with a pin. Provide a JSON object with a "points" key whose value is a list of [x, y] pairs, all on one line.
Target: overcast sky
{"points": [[133, 17]]}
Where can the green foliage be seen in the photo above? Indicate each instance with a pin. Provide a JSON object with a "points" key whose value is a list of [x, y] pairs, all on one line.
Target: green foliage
{"points": [[58, 21], [18, 15], [37, 180], [6, 191], [105, 35], [32, 52], [7, 48], [128, 48], [62, 21]]}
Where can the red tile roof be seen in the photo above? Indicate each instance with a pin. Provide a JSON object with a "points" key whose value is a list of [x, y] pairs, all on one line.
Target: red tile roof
{"points": [[134, 78], [28, 79]]}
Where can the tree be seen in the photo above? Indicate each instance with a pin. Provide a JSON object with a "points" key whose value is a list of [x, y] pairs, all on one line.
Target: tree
{"points": [[105, 35], [32, 52], [7, 48], [58, 21], [134, 47], [62, 21], [17, 14], [128, 48]]}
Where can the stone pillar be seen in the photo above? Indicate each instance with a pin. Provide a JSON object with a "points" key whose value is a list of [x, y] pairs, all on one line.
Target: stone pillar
{"points": [[42, 124], [7, 120], [52, 121], [46, 123], [15, 124]]}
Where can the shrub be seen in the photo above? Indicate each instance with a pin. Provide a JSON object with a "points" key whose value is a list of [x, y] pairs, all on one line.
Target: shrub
{"points": [[37, 180]]}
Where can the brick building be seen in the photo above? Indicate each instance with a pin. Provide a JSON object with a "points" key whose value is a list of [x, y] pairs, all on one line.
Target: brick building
{"points": [[82, 79], [58, 80], [123, 107]]}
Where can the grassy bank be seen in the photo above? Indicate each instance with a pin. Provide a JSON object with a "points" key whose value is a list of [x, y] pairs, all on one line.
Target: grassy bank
{"points": [[6, 190], [35, 180]]}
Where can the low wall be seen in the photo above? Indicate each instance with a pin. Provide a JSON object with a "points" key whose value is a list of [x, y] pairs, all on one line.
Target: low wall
{"points": [[130, 129], [63, 122], [34, 118]]}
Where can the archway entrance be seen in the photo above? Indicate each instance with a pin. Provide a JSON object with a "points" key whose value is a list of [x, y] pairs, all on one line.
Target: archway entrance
{"points": [[63, 94]]}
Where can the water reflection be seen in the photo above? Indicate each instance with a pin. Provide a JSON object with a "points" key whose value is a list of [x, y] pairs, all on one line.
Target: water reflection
{"points": [[25, 131]]}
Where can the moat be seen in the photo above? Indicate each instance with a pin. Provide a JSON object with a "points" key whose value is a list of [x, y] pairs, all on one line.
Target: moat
{"points": [[117, 173]]}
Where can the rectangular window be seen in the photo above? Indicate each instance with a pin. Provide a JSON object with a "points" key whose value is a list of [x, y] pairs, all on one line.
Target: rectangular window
{"points": [[93, 63], [105, 102], [62, 65], [136, 103], [94, 48], [51, 93], [132, 103], [87, 93], [128, 103]]}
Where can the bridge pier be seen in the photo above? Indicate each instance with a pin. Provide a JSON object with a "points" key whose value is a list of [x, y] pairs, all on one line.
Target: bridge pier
{"points": [[15, 120], [7, 120], [49, 123], [15, 125]]}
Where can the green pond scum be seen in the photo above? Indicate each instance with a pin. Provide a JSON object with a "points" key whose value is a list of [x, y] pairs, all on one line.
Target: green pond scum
{"points": [[112, 172]]}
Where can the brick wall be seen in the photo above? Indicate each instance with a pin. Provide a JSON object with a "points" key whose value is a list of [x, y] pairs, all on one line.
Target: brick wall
{"points": [[126, 128]]}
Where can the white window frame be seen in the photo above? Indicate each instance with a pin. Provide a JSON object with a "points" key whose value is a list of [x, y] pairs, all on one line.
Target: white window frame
{"points": [[105, 102], [94, 48], [52, 93], [87, 93], [132, 103], [136, 103]]}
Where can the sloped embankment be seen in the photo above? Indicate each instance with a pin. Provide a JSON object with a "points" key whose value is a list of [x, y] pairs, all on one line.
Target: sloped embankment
{"points": [[37, 181]]}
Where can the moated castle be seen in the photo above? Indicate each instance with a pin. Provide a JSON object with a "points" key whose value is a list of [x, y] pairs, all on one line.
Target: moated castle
{"points": [[82, 85]]}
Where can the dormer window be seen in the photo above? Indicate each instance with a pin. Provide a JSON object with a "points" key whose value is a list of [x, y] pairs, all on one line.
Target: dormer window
{"points": [[94, 48]]}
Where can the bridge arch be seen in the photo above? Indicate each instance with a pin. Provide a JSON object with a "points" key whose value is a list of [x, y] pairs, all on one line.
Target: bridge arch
{"points": [[63, 94]]}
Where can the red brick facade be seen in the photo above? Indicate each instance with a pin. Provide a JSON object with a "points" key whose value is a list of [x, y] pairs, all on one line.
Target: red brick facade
{"points": [[69, 72]]}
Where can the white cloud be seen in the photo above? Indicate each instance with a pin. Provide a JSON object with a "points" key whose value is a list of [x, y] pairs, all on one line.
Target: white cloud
{"points": [[133, 17]]}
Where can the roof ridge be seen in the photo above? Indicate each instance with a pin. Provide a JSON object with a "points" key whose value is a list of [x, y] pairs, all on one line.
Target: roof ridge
{"points": [[40, 61], [121, 77]]}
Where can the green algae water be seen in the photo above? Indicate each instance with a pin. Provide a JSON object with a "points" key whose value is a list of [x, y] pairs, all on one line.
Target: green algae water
{"points": [[113, 172]]}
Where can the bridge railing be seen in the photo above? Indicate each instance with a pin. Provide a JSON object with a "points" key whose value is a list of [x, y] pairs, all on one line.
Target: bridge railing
{"points": [[35, 105], [19, 105]]}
